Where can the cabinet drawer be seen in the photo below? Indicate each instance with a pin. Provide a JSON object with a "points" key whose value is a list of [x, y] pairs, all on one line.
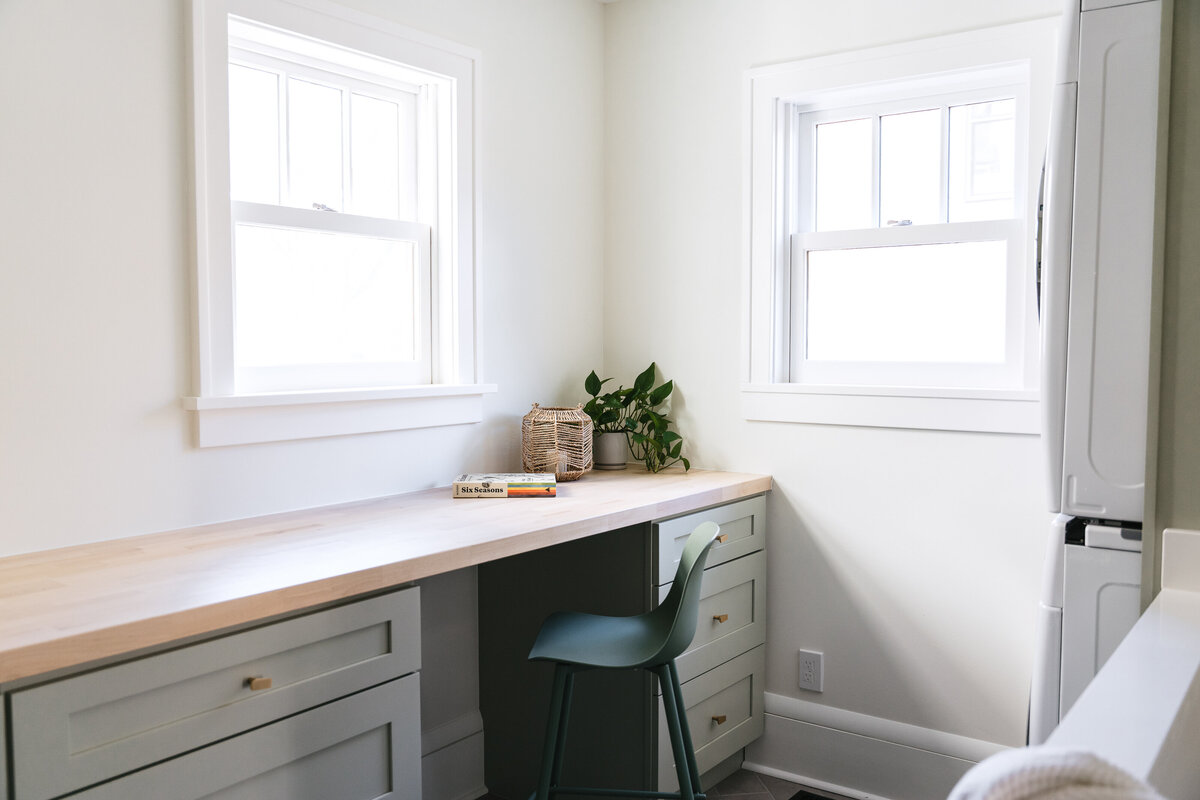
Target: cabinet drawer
{"points": [[742, 523], [363, 747], [736, 591], [88, 728], [732, 692]]}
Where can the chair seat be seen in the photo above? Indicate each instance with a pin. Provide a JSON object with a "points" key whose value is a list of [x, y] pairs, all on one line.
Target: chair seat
{"points": [[592, 640]]}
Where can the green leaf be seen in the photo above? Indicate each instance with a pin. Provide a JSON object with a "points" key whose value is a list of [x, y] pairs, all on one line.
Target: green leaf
{"points": [[671, 436], [592, 383], [643, 382], [676, 449], [686, 464], [661, 393]]}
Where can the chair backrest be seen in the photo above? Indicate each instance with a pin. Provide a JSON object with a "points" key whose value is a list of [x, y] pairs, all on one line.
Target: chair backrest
{"points": [[678, 612]]}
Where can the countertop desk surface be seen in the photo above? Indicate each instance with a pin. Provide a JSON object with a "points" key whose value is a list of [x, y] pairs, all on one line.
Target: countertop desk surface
{"points": [[66, 607]]}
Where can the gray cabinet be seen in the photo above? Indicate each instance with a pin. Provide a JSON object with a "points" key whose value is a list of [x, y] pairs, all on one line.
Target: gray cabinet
{"points": [[83, 730], [3, 756], [617, 737], [722, 671]]}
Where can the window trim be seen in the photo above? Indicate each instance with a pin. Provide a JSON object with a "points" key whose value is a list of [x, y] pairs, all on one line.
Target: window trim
{"points": [[772, 94], [455, 394]]}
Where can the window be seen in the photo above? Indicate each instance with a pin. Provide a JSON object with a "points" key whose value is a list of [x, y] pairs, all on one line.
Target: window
{"points": [[335, 238], [891, 268]]}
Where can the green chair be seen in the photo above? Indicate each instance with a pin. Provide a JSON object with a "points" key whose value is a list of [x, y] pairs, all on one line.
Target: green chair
{"points": [[575, 642]]}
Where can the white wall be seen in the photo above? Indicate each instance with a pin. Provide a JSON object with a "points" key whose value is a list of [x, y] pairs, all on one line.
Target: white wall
{"points": [[95, 286], [910, 558]]}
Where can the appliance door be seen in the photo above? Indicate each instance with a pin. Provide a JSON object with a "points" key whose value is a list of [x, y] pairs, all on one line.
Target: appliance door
{"points": [[1101, 601], [1112, 246], [1047, 654], [1059, 183]]}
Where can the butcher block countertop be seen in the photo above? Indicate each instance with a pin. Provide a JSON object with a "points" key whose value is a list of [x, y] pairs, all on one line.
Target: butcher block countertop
{"points": [[66, 607]]}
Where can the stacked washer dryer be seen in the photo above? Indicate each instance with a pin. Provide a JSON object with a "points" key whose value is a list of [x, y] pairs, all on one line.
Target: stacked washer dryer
{"points": [[1097, 253]]}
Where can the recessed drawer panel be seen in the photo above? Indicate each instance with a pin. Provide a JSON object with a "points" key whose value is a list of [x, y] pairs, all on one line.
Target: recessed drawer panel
{"points": [[363, 747], [742, 528], [88, 728], [724, 712], [732, 614]]}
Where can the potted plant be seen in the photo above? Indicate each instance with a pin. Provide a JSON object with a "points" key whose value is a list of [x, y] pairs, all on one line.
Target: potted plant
{"points": [[633, 417]]}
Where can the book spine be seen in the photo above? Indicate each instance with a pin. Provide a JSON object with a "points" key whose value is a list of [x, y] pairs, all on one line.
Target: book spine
{"points": [[501, 489], [481, 489]]}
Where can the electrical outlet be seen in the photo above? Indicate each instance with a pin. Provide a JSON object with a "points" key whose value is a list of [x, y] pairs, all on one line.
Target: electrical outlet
{"points": [[812, 670]]}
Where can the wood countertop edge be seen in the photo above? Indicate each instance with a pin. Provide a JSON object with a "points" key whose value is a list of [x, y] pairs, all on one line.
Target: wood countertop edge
{"points": [[54, 652]]}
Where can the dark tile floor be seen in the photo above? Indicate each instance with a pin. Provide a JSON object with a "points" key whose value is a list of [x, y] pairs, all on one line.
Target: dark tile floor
{"points": [[746, 785]]}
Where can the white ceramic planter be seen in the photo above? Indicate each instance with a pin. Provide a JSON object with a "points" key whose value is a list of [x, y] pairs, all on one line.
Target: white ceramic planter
{"points": [[609, 451]]}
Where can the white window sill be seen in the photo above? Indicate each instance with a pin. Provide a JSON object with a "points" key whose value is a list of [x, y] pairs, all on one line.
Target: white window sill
{"points": [[276, 417], [988, 411]]}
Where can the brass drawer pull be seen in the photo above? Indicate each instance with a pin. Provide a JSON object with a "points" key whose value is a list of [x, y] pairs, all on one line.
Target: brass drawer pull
{"points": [[719, 618], [258, 684], [723, 538], [719, 719]]}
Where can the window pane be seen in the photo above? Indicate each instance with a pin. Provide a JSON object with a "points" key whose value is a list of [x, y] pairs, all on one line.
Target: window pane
{"points": [[844, 175], [253, 134], [314, 145], [306, 298], [910, 167], [383, 157], [982, 160], [917, 303]]}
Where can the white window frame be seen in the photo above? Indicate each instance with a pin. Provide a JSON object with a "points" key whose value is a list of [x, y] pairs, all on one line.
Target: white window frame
{"points": [[454, 392], [776, 386]]}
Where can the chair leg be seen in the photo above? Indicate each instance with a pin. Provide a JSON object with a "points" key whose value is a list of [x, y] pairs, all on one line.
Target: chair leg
{"points": [[676, 725], [685, 730], [561, 744], [555, 730]]}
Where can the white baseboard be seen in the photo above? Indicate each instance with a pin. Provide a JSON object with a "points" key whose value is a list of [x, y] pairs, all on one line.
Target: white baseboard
{"points": [[452, 760], [858, 755]]}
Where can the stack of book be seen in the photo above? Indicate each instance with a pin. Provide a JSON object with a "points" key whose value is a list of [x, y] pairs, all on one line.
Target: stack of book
{"points": [[505, 484]]}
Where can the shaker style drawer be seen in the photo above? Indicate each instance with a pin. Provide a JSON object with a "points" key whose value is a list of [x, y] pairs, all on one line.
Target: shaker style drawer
{"points": [[88, 728], [743, 525], [363, 747], [732, 619], [724, 713]]}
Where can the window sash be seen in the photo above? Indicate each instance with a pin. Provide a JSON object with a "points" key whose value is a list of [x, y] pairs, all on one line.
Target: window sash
{"points": [[329, 376], [805, 118], [348, 83], [1006, 374]]}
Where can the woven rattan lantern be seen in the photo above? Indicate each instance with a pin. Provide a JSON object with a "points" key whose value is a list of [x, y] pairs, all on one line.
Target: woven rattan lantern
{"points": [[557, 440]]}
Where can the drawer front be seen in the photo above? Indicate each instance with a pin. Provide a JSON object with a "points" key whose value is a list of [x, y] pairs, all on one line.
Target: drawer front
{"points": [[743, 523], [724, 710], [91, 727], [733, 600], [363, 747]]}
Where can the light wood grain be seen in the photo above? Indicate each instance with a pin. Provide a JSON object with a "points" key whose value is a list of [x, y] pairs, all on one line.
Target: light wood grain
{"points": [[60, 608]]}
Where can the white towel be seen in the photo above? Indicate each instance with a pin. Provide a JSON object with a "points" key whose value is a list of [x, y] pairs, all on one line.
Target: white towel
{"points": [[1046, 773]]}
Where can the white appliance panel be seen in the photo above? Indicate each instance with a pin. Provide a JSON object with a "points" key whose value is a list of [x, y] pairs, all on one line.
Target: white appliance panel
{"points": [[1101, 601], [1111, 246]]}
